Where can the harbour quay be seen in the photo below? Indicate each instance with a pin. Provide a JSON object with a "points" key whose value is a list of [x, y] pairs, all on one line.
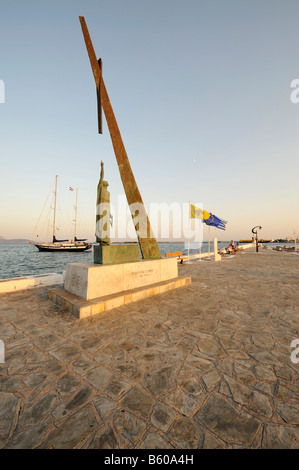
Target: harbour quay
{"points": [[210, 365]]}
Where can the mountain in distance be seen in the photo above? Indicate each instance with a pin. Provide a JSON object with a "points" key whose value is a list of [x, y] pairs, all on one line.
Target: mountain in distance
{"points": [[12, 240]]}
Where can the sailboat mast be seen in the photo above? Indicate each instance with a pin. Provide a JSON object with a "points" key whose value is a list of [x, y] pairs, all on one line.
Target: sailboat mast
{"points": [[76, 209], [55, 201]]}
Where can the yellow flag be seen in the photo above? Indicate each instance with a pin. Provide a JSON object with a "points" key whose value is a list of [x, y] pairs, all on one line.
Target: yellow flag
{"points": [[197, 213]]}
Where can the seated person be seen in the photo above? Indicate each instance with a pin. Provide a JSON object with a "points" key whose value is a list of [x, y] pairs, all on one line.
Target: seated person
{"points": [[230, 248]]}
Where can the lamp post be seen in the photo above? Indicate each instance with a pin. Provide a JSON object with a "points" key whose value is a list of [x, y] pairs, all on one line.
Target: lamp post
{"points": [[257, 227]]}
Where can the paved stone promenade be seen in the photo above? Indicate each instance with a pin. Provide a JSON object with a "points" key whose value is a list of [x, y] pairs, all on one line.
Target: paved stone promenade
{"points": [[204, 366]]}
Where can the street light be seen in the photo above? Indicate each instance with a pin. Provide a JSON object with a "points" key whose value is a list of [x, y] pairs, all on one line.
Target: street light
{"points": [[258, 227]]}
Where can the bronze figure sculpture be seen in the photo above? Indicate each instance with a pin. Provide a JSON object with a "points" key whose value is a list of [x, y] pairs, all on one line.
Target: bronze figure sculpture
{"points": [[103, 211]]}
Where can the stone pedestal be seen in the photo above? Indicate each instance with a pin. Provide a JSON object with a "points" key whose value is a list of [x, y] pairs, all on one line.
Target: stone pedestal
{"points": [[112, 254], [90, 281], [91, 289]]}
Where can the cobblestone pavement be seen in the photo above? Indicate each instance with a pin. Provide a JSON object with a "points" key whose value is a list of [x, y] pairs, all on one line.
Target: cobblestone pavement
{"points": [[204, 366]]}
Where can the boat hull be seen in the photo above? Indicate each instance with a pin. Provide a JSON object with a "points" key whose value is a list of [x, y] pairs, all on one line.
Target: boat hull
{"points": [[70, 248]]}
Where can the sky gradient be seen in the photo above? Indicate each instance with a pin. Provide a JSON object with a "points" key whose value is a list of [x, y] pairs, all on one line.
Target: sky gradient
{"points": [[201, 92]]}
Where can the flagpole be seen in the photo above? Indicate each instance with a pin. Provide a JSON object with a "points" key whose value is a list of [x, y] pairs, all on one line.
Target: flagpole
{"points": [[189, 233], [199, 240], [214, 237]]}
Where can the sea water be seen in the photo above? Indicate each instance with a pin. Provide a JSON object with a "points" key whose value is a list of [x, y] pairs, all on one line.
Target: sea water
{"points": [[22, 259]]}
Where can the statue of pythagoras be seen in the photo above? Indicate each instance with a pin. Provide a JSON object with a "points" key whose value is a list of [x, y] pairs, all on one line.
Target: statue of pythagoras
{"points": [[148, 244], [103, 211]]}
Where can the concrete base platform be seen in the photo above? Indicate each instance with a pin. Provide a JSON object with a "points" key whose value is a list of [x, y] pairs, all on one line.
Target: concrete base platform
{"points": [[86, 308]]}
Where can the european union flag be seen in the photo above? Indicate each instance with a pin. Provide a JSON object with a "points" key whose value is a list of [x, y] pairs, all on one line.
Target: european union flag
{"points": [[216, 222]]}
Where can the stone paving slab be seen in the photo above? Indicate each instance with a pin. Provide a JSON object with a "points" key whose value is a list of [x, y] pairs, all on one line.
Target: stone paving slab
{"points": [[206, 366]]}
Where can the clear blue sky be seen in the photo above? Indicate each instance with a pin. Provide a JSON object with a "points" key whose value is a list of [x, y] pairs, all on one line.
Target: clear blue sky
{"points": [[200, 89]]}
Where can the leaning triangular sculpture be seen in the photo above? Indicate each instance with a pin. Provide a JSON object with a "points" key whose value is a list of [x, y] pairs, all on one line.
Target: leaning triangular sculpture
{"points": [[148, 244]]}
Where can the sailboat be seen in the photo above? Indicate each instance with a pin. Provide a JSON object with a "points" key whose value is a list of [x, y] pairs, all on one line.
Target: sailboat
{"points": [[62, 245]]}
